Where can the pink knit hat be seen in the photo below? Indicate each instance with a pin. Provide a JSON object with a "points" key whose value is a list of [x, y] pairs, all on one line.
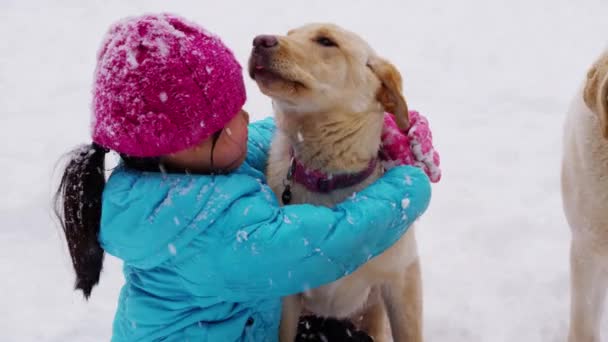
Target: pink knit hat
{"points": [[162, 84]]}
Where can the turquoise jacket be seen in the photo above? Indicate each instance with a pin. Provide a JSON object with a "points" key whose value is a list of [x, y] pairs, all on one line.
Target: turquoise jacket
{"points": [[208, 258]]}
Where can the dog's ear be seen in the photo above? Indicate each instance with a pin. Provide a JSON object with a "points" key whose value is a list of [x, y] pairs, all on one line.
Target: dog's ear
{"points": [[389, 94], [596, 92]]}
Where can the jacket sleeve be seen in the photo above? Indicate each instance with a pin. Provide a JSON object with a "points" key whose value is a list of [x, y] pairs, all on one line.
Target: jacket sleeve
{"points": [[258, 145], [279, 251]]}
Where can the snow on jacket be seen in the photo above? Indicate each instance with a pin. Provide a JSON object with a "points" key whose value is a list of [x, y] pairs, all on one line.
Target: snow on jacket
{"points": [[207, 258]]}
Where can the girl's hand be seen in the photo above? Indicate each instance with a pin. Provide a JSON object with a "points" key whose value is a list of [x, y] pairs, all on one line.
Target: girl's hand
{"points": [[414, 147]]}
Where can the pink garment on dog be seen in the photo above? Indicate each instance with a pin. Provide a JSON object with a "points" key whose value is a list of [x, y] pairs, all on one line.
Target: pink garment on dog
{"points": [[414, 147]]}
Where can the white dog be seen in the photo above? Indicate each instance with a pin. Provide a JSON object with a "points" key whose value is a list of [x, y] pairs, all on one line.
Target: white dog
{"points": [[585, 196]]}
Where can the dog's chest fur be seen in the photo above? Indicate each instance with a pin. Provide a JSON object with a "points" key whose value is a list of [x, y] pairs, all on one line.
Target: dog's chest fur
{"points": [[347, 296]]}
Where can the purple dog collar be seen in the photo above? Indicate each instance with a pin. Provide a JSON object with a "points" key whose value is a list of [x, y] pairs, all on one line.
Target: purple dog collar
{"points": [[318, 181]]}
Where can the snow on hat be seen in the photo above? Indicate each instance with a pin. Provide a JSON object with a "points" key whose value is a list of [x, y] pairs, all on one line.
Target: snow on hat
{"points": [[162, 84]]}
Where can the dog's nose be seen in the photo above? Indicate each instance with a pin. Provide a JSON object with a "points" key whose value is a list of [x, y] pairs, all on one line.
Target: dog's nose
{"points": [[265, 41]]}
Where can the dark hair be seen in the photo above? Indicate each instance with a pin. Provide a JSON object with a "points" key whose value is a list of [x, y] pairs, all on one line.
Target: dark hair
{"points": [[147, 164], [78, 207], [155, 164]]}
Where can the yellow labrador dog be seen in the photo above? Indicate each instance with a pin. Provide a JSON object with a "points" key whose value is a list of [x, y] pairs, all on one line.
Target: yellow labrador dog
{"points": [[585, 196], [329, 91]]}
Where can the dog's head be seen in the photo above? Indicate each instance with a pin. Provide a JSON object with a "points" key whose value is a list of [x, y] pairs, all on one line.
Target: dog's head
{"points": [[596, 91], [321, 68]]}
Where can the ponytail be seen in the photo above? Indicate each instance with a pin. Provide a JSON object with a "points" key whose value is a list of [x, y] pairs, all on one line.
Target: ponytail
{"points": [[78, 207]]}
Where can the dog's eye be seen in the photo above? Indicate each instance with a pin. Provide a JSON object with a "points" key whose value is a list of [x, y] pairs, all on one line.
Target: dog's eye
{"points": [[325, 42]]}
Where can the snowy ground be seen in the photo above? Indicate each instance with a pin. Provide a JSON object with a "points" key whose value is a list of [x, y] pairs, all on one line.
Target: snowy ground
{"points": [[494, 77]]}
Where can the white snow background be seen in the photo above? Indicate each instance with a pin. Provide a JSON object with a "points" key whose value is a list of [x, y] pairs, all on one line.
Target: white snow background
{"points": [[494, 78]]}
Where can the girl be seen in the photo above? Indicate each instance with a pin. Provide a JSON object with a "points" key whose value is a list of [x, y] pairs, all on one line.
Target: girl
{"points": [[207, 251]]}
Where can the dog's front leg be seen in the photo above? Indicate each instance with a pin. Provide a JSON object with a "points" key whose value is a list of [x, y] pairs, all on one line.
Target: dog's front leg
{"points": [[589, 280], [290, 316], [374, 317], [403, 302]]}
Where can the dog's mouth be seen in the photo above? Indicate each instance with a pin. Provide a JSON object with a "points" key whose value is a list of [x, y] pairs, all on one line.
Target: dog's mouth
{"points": [[262, 71], [265, 75]]}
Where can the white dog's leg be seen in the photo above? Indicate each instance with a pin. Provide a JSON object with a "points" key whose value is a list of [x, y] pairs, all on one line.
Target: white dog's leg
{"points": [[588, 282]]}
